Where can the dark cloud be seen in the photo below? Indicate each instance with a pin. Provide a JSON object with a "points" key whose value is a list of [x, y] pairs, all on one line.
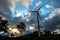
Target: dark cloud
{"points": [[7, 7], [4, 5], [54, 21], [4, 9]]}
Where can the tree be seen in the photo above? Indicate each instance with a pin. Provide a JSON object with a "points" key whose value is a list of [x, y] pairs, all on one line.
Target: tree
{"points": [[1, 28], [22, 25], [3, 24]]}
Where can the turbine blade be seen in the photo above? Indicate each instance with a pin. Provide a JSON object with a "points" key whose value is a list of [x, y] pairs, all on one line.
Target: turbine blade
{"points": [[39, 6], [32, 11]]}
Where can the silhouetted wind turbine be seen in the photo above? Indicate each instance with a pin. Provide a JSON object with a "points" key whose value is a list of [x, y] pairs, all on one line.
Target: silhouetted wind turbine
{"points": [[38, 16]]}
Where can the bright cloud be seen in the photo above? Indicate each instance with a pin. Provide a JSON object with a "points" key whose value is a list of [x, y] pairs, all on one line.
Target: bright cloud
{"points": [[26, 3], [50, 16], [13, 5], [48, 6], [18, 15], [53, 13], [58, 10], [38, 3]]}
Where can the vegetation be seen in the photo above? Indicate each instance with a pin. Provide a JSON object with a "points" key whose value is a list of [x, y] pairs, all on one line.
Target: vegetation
{"points": [[32, 38]]}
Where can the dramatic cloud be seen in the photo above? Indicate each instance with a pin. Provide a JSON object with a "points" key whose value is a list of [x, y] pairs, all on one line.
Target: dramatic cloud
{"points": [[53, 20], [8, 7], [26, 3], [58, 10], [12, 4], [3, 4]]}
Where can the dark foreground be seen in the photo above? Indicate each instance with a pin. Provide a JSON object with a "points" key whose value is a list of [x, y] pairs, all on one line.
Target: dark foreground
{"points": [[32, 38]]}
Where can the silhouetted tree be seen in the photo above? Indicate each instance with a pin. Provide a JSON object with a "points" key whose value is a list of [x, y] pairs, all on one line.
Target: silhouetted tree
{"points": [[3, 24], [22, 25], [35, 33], [1, 28], [48, 33]]}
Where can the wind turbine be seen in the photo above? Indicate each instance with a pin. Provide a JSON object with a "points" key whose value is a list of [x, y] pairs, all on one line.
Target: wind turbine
{"points": [[38, 15]]}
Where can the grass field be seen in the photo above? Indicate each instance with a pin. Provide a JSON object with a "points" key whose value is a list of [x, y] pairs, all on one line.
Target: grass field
{"points": [[32, 38]]}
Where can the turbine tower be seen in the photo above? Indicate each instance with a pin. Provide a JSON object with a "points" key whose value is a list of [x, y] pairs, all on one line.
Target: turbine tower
{"points": [[38, 15]]}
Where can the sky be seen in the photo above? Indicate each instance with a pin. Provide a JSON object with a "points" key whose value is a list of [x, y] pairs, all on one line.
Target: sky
{"points": [[16, 11]]}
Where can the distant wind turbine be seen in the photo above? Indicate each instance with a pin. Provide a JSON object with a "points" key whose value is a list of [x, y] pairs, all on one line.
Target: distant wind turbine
{"points": [[38, 15]]}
